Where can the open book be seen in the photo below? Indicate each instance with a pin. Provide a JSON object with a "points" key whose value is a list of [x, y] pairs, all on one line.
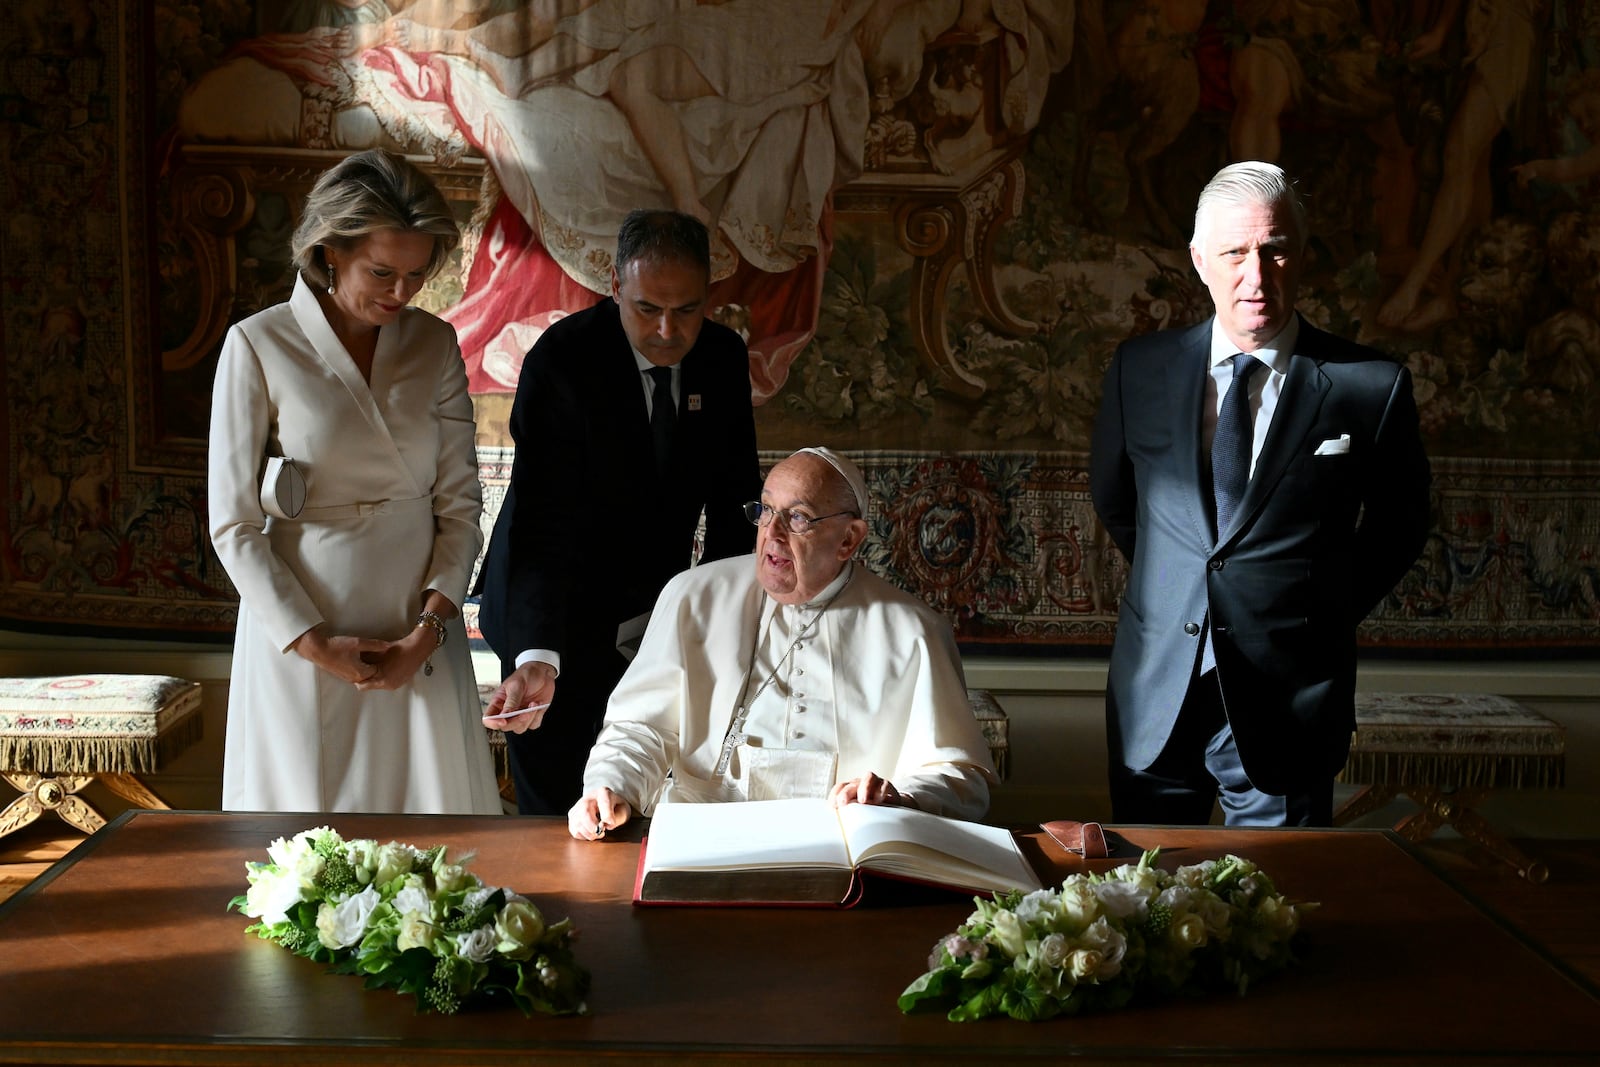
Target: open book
{"points": [[809, 852]]}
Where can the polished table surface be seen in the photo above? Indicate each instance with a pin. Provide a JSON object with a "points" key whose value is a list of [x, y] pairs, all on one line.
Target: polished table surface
{"points": [[124, 953]]}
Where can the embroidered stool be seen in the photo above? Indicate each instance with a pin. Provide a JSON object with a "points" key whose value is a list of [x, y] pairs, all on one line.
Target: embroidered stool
{"points": [[995, 726], [1445, 751], [59, 734], [498, 749], [985, 708]]}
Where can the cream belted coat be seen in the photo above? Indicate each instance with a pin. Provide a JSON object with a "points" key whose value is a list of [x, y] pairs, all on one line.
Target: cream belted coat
{"points": [[392, 506]]}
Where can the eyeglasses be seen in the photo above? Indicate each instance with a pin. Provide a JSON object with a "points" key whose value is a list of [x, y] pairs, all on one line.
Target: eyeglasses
{"points": [[794, 520]]}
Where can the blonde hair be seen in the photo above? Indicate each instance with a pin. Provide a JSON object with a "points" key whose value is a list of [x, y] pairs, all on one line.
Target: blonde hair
{"points": [[361, 194]]}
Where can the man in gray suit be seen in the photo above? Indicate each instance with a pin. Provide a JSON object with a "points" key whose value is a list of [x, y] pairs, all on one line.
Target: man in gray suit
{"points": [[1267, 483]]}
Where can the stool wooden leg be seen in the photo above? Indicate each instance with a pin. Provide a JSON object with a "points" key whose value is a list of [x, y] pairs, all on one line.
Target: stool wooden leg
{"points": [[78, 812], [21, 811], [131, 789], [1436, 810], [1457, 808], [1367, 800], [1476, 828], [42, 793]]}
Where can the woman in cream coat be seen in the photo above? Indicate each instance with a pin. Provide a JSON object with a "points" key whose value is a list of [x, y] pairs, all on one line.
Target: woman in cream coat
{"points": [[352, 689]]}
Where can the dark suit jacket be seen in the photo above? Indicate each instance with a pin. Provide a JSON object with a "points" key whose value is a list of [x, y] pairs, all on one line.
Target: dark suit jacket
{"points": [[1317, 542], [588, 534]]}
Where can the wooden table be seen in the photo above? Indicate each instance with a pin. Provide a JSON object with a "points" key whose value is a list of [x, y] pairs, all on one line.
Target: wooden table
{"points": [[123, 953]]}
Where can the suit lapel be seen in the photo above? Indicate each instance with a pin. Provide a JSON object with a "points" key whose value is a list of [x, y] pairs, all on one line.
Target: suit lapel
{"points": [[1186, 395]]}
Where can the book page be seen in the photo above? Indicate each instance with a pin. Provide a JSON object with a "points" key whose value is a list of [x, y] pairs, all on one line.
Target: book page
{"points": [[747, 834], [915, 844]]}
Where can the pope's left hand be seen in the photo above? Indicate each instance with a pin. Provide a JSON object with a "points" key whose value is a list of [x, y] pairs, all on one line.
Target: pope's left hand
{"points": [[868, 789]]}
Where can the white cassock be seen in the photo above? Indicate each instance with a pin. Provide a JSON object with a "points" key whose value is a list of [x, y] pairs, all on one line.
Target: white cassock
{"points": [[874, 685], [391, 510]]}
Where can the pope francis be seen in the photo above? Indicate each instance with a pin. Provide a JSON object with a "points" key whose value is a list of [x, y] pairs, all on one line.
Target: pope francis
{"points": [[791, 673]]}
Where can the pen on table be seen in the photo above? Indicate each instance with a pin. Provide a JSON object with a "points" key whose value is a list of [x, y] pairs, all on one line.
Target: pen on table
{"points": [[599, 829]]}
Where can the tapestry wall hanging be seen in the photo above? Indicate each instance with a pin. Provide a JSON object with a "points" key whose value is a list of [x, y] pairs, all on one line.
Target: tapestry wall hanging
{"points": [[933, 224]]}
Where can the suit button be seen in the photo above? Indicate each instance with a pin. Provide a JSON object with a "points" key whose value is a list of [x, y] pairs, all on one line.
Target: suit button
{"points": [[1215, 564], [1191, 628]]}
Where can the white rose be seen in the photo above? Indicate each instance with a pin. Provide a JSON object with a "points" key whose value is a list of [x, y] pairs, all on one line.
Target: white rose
{"points": [[479, 944], [1054, 950], [451, 877], [1039, 908], [1085, 963], [415, 932], [519, 927], [342, 925], [1189, 931], [1006, 932], [1123, 900], [392, 861], [1111, 945], [413, 898], [1079, 905], [307, 867], [271, 895]]}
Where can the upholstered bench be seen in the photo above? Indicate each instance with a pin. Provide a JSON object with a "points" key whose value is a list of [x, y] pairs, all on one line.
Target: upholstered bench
{"points": [[985, 708], [59, 734], [1445, 751]]}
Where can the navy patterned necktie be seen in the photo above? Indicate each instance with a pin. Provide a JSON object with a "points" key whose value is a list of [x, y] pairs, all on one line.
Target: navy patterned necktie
{"points": [[1230, 448], [662, 415]]}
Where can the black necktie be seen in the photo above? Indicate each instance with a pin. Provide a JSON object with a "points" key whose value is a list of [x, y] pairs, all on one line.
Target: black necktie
{"points": [[662, 414], [1230, 448]]}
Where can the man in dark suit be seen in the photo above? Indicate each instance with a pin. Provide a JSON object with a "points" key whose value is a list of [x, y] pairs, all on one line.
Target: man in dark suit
{"points": [[1261, 526], [630, 418]]}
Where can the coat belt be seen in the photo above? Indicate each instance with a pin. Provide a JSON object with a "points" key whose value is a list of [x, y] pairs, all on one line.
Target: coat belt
{"points": [[363, 509]]}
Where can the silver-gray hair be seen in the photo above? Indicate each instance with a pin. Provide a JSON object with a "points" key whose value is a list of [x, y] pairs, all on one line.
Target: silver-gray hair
{"points": [[361, 194], [1250, 182]]}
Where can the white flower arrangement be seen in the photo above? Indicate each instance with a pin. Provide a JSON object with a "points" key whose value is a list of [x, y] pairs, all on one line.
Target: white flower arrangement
{"points": [[1103, 940], [413, 920]]}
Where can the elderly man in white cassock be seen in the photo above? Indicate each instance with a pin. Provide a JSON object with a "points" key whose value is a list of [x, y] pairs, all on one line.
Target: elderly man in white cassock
{"points": [[792, 673]]}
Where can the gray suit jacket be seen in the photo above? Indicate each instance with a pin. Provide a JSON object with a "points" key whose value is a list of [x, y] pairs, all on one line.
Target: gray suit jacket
{"points": [[1317, 542]]}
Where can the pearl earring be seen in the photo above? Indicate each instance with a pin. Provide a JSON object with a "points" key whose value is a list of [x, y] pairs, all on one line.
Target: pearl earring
{"points": [[330, 279]]}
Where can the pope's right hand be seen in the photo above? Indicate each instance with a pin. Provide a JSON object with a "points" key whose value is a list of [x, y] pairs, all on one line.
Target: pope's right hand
{"points": [[596, 812]]}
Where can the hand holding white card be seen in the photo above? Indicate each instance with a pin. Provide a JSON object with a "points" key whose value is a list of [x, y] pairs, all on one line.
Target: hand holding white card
{"points": [[515, 712]]}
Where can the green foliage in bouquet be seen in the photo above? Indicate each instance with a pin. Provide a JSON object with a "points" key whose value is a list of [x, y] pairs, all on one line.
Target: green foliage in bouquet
{"points": [[1104, 940], [412, 920]]}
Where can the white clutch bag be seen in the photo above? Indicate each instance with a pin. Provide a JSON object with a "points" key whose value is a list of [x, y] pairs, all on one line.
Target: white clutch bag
{"points": [[283, 488]]}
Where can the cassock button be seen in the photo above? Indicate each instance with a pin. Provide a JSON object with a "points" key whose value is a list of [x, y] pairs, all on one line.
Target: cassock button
{"points": [[1191, 628]]}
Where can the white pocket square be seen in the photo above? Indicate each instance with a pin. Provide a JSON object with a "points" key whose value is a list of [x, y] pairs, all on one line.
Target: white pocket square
{"points": [[1334, 446]]}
